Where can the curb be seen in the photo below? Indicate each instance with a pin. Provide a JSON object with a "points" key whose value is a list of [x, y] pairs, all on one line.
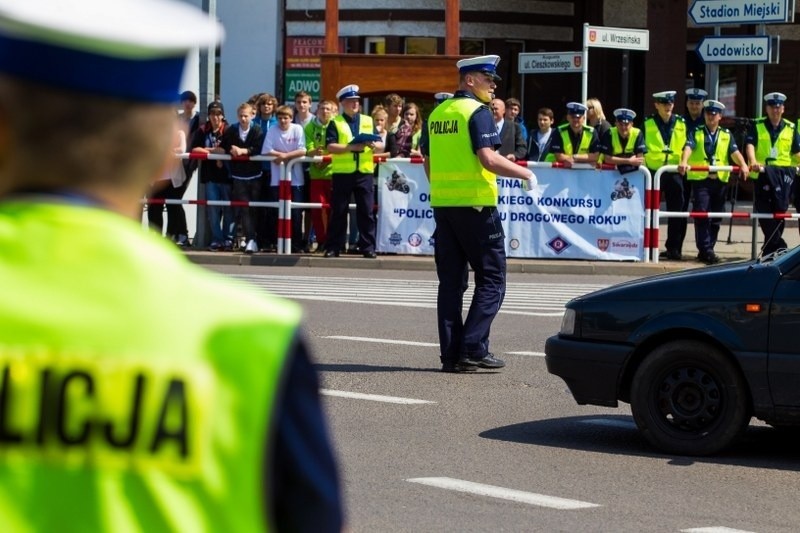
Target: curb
{"points": [[426, 263]]}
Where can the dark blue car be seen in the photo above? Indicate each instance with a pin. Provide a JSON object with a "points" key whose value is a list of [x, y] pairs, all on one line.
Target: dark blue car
{"points": [[696, 353]]}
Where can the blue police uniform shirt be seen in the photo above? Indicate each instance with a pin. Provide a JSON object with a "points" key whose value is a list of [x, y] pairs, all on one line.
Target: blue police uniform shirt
{"points": [[710, 144], [482, 128], [752, 135], [694, 123], [557, 144], [605, 146], [303, 476]]}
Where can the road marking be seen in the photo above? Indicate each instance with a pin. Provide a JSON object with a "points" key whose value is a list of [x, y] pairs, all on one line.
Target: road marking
{"points": [[534, 354], [381, 341], [480, 489], [527, 299], [610, 422], [372, 397], [715, 529]]}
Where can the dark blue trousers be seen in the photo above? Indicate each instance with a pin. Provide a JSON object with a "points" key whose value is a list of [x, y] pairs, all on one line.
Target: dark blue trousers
{"points": [[676, 192], [361, 186], [708, 196], [466, 238]]}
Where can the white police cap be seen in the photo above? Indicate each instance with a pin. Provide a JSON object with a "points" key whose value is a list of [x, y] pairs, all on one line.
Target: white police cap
{"points": [[665, 96], [126, 49], [441, 97], [576, 108], [485, 64], [713, 106], [775, 98], [624, 115], [696, 94], [348, 91]]}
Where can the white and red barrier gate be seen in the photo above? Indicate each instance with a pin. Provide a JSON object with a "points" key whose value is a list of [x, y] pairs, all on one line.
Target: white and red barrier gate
{"points": [[586, 192]]}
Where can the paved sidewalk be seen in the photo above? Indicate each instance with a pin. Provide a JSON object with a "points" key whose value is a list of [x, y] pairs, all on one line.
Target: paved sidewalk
{"points": [[738, 249]]}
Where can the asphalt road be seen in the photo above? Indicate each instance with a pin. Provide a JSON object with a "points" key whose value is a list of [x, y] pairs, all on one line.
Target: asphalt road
{"points": [[507, 450]]}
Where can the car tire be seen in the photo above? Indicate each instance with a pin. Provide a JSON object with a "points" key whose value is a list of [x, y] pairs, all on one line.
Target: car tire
{"points": [[688, 398]]}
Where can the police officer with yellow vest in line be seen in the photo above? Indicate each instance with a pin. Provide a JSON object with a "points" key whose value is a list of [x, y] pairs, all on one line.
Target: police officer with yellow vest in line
{"points": [[137, 392], [770, 143], [623, 145], [710, 145], [665, 134], [352, 139], [575, 142], [462, 165]]}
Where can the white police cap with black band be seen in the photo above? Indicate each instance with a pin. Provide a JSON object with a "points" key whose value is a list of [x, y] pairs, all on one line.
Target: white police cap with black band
{"points": [[347, 92], [441, 97], [576, 108], [125, 49], [696, 94], [774, 99], [714, 107], [485, 64], [624, 115], [665, 96]]}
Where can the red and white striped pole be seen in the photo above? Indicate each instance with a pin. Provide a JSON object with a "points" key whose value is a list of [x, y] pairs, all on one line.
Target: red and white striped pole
{"points": [[284, 211]]}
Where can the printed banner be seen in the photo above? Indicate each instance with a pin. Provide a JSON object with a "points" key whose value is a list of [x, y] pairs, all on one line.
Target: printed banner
{"points": [[575, 214]]}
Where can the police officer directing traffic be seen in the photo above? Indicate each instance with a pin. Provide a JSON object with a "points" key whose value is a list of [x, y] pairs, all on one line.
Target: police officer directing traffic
{"points": [[138, 392], [769, 145], [461, 163]]}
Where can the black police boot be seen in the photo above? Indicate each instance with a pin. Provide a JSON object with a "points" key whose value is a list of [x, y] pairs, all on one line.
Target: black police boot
{"points": [[488, 361]]}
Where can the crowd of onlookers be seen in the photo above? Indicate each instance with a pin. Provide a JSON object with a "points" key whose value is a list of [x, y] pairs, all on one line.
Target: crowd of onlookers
{"points": [[263, 127]]}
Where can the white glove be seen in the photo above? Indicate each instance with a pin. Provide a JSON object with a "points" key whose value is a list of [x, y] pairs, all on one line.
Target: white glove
{"points": [[532, 184]]}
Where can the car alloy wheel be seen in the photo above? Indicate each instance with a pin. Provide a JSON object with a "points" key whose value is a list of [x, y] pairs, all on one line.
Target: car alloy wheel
{"points": [[689, 398]]}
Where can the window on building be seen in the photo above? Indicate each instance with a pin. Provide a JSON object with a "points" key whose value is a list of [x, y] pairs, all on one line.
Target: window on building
{"points": [[472, 47], [417, 46], [375, 45]]}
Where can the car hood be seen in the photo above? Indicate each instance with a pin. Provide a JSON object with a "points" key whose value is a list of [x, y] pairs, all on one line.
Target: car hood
{"points": [[741, 280]]}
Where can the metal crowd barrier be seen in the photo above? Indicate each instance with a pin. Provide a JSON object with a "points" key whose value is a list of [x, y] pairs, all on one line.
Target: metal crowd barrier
{"points": [[285, 204], [658, 214]]}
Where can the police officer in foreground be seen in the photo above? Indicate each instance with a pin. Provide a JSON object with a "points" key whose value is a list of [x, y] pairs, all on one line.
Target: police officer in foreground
{"points": [[462, 165], [138, 392], [770, 143], [665, 136], [710, 145]]}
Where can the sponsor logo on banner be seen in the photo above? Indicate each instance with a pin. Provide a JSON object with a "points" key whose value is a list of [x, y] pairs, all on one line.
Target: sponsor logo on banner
{"points": [[395, 238], [602, 244], [415, 239], [558, 244], [513, 244], [624, 244]]}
